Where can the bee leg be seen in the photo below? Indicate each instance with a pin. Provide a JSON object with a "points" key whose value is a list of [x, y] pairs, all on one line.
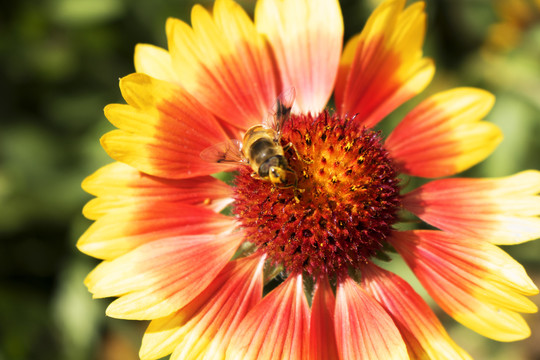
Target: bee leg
{"points": [[296, 190], [291, 146], [256, 176]]}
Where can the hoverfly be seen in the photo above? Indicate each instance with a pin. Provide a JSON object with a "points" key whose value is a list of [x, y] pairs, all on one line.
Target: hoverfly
{"points": [[261, 147]]}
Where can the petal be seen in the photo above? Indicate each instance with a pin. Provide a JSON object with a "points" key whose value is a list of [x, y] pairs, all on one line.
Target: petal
{"points": [[422, 331], [120, 186], [322, 337], [276, 328], [224, 62], [163, 129], [204, 326], [474, 281], [444, 134], [154, 61], [382, 67], [364, 330], [306, 36], [502, 210], [124, 229], [162, 276]]}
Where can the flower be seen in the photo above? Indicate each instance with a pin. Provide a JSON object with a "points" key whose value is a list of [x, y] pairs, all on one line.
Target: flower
{"points": [[291, 274]]}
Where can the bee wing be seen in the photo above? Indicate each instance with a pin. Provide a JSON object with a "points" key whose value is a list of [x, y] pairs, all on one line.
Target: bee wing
{"points": [[281, 111], [229, 151]]}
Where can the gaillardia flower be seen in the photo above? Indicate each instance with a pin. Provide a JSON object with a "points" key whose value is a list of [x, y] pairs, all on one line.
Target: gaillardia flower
{"points": [[250, 269]]}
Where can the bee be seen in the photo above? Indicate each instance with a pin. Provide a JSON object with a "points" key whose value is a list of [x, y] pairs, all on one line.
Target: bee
{"points": [[261, 147]]}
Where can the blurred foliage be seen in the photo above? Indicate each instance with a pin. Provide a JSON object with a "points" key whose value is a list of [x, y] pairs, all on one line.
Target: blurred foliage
{"points": [[61, 60]]}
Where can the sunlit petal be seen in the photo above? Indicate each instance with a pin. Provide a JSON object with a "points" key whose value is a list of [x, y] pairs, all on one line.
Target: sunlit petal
{"points": [[306, 36], [277, 328], [162, 276], [119, 186], [202, 329], [124, 229], [364, 330], [224, 63], [444, 134], [163, 129], [383, 67], [154, 61], [472, 280], [322, 338], [422, 331], [502, 211]]}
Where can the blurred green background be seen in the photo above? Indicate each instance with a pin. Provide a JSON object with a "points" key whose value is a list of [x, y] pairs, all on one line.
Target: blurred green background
{"points": [[61, 60]]}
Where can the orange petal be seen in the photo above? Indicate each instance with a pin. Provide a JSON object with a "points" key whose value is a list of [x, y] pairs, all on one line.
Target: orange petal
{"points": [[364, 330], [276, 328], [322, 337], [444, 134], [422, 331], [119, 186], [160, 277], [502, 211], [382, 67], [474, 281], [124, 229], [203, 327], [306, 37], [224, 62], [163, 129]]}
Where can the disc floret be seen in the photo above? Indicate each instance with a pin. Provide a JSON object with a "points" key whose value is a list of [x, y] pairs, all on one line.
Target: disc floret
{"points": [[348, 198]]}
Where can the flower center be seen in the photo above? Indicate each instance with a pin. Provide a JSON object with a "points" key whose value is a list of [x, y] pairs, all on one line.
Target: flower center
{"points": [[347, 198]]}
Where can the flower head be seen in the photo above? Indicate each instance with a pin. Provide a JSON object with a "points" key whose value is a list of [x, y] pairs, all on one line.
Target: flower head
{"points": [[290, 272]]}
